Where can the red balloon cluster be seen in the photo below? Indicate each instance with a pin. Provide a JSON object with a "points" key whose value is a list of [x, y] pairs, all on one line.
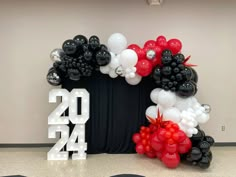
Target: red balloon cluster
{"points": [[164, 140], [150, 55]]}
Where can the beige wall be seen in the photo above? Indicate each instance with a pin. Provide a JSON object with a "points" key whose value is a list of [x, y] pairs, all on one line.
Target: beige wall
{"points": [[29, 30]]}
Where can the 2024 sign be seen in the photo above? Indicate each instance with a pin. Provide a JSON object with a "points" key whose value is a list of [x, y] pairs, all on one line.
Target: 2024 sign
{"points": [[58, 123]]}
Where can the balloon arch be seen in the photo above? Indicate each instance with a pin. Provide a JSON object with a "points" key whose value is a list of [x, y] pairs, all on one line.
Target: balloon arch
{"points": [[173, 133]]}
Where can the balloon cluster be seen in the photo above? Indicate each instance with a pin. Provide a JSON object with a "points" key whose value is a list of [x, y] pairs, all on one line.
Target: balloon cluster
{"points": [[200, 153], [174, 75], [187, 113], [79, 57], [162, 139]]}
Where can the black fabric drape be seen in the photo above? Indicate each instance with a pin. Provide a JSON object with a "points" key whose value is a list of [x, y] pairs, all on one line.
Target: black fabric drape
{"points": [[117, 110]]}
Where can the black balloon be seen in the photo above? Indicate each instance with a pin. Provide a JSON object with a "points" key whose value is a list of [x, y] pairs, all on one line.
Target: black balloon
{"points": [[179, 58], [53, 77], [94, 38], [187, 73], [167, 53], [204, 162], [74, 74], [88, 55], [194, 76], [166, 70], [80, 40], [210, 140], [69, 47], [94, 45], [157, 75], [103, 47], [186, 89], [103, 57], [204, 146], [195, 154], [166, 60]]}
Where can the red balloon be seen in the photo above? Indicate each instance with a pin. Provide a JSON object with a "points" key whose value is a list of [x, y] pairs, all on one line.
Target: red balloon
{"points": [[184, 146], [150, 43], [161, 134], [179, 136], [155, 142], [148, 148], [161, 41], [136, 138], [138, 50], [159, 155], [144, 67], [174, 45], [171, 148], [151, 154], [171, 160], [140, 148]]}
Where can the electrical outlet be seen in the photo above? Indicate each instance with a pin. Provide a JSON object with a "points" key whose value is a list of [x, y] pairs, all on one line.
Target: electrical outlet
{"points": [[222, 128]]}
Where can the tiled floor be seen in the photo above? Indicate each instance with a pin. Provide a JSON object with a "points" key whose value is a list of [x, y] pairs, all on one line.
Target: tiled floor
{"points": [[32, 162]]}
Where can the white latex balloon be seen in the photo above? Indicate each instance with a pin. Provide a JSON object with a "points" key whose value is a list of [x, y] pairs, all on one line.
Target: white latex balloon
{"points": [[203, 118], [135, 80], [172, 114], [117, 43], [166, 98], [151, 111], [105, 69], [114, 62], [183, 103], [154, 95], [128, 58], [112, 74]]}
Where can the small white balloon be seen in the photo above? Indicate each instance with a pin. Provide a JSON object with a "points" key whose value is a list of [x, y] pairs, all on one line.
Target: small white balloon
{"points": [[105, 69], [117, 43], [172, 114], [135, 80], [166, 98], [128, 58], [131, 75], [112, 74], [154, 95], [151, 111]]}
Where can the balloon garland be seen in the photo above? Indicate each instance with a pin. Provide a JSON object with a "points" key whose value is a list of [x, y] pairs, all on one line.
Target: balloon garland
{"points": [[173, 133]]}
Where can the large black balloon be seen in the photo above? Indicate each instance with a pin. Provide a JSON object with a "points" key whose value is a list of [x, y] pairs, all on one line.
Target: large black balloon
{"points": [[94, 38], [53, 77], [80, 40], [210, 140], [103, 57], [166, 53], [186, 89], [166, 60], [204, 162], [88, 55], [69, 47], [194, 76], [94, 45]]}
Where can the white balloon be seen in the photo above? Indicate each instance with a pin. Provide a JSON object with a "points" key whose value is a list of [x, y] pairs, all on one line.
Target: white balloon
{"points": [[105, 69], [131, 75], [154, 95], [172, 114], [114, 62], [112, 74], [117, 43], [135, 80], [166, 98], [128, 58], [203, 118], [151, 111], [182, 103]]}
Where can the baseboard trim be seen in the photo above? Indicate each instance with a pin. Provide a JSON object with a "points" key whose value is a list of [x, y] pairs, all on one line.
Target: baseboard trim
{"points": [[36, 145], [225, 144]]}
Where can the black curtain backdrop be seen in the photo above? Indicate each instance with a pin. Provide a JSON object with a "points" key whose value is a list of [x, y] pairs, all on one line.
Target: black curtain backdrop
{"points": [[117, 110]]}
